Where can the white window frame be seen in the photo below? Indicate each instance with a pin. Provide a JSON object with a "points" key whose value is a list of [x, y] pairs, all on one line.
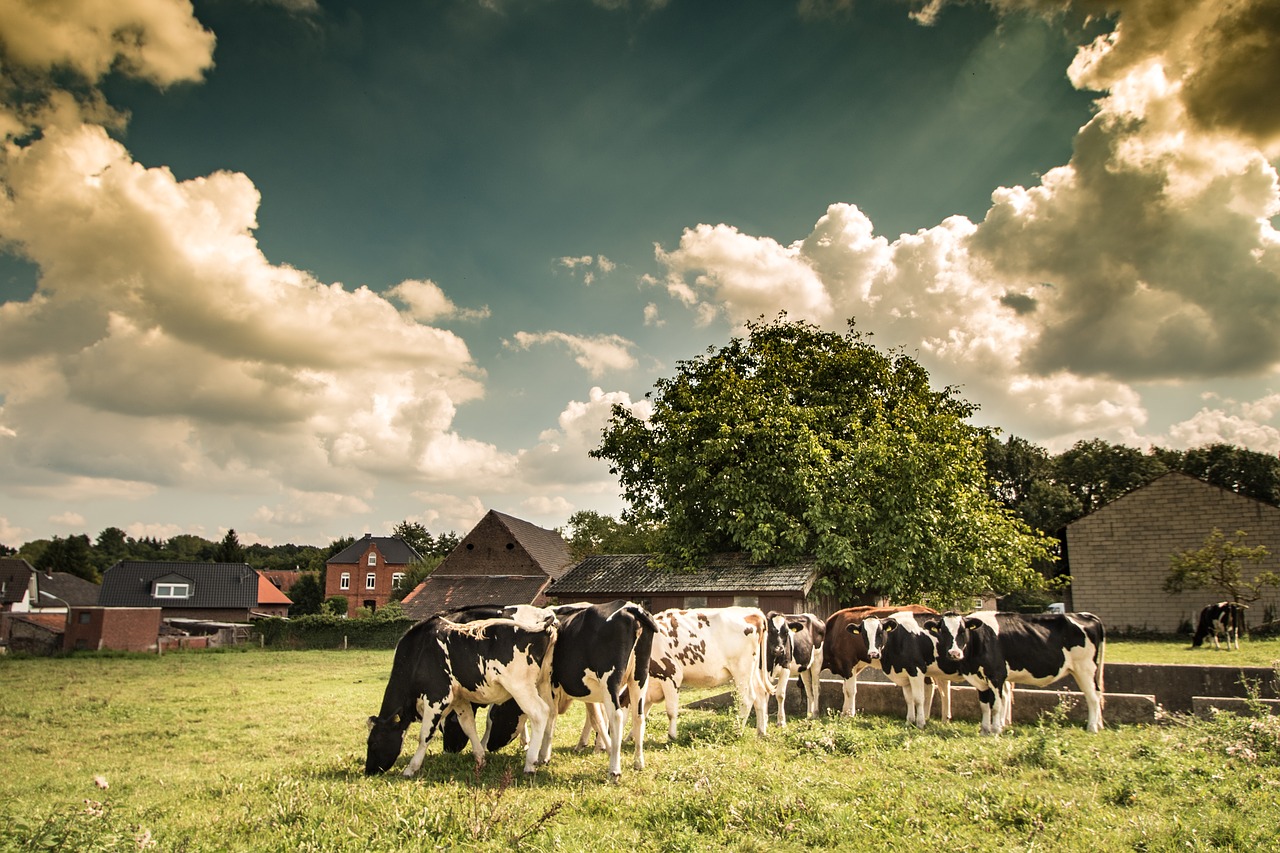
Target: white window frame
{"points": [[172, 589], [345, 581], [397, 578], [371, 580], [373, 559]]}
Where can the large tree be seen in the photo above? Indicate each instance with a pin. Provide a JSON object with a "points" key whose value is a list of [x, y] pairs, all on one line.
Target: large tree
{"points": [[795, 442], [1219, 565]]}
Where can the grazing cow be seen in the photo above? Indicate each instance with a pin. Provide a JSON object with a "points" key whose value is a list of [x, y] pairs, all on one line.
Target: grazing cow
{"points": [[1225, 617], [844, 651], [795, 648], [708, 647], [907, 650], [994, 651], [603, 650], [442, 666]]}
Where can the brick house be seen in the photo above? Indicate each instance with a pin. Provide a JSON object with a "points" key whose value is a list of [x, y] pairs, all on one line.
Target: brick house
{"points": [[126, 629], [39, 600], [725, 580], [503, 560], [209, 592], [368, 570], [1119, 555]]}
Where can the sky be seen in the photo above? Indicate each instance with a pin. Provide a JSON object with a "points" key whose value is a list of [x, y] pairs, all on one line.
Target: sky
{"points": [[308, 268]]}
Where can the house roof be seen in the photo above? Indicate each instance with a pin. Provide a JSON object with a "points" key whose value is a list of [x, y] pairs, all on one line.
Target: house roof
{"points": [[1175, 480], [214, 585], [439, 593], [628, 574], [394, 551], [268, 593], [546, 547], [15, 574], [75, 591]]}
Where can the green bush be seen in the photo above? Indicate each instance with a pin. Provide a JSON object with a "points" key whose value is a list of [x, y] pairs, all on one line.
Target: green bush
{"points": [[332, 632]]}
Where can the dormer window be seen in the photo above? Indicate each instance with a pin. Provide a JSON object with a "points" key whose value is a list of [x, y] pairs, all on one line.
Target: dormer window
{"points": [[373, 558], [172, 586]]}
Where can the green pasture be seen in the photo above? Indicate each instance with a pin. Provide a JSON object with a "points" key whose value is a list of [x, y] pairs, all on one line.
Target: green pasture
{"points": [[258, 750]]}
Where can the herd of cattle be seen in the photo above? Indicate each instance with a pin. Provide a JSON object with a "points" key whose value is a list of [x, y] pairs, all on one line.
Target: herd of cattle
{"points": [[528, 663]]}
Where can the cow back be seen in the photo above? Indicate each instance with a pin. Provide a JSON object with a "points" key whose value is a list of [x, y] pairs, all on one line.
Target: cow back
{"points": [[843, 650]]}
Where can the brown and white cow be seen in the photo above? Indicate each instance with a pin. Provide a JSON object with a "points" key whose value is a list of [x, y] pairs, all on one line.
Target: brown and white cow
{"points": [[794, 647], [844, 652], [708, 647]]}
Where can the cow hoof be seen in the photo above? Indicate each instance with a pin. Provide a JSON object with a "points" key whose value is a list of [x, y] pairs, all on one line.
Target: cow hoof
{"points": [[615, 778]]}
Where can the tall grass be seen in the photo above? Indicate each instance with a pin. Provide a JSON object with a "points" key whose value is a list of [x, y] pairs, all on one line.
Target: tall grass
{"points": [[264, 751]]}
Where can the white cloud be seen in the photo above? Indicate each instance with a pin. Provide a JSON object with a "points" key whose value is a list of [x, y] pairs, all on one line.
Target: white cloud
{"points": [[11, 534], [302, 509], [72, 520], [589, 264], [427, 302], [446, 512], [560, 458], [1149, 256], [597, 354]]}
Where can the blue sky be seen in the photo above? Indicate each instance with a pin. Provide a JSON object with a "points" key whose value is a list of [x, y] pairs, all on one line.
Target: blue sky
{"points": [[306, 269]]}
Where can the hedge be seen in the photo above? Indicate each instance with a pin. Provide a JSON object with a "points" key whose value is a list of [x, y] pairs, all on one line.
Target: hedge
{"points": [[331, 632]]}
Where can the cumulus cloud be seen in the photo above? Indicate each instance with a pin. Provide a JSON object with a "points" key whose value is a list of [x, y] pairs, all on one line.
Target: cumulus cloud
{"points": [[1254, 424], [1149, 256], [596, 354], [561, 456], [426, 302], [301, 509]]}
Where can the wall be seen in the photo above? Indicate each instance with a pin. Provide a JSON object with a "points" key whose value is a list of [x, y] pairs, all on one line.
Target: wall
{"points": [[1120, 554], [128, 629]]}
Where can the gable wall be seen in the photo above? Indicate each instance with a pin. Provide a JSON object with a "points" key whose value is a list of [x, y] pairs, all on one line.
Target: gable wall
{"points": [[489, 550], [1120, 555]]}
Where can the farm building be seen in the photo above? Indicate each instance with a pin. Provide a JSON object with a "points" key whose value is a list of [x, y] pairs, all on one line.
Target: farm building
{"points": [[503, 560], [1120, 554], [726, 579], [223, 592], [368, 571], [33, 604]]}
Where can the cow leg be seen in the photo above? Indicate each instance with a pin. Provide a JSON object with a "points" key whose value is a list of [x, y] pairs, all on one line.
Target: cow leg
{"points": [[780, 694], [917, 706], [927, 688], [538, 706], [1092, 699], [613, 717], [812, 684], [467, 719], [752, 691], [670, 698], [432, 713], [944, 699], [987, 701], [639, 707]]}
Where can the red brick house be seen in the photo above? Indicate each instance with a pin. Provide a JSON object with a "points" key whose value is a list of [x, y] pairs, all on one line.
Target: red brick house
{"points": [[503, 560], [367, 571], [126, 629]]}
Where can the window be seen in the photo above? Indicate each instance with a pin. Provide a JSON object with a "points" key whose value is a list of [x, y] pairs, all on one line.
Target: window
{"points": [[373, 558], [397, 579], [84, 618], [345, 582], [370, 580], [171, 589], [691, 601], [746, 601]]}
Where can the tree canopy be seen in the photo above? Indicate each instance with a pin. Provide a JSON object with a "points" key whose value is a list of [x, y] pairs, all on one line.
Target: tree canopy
{"points": [[1219, 565], [795, 442]]}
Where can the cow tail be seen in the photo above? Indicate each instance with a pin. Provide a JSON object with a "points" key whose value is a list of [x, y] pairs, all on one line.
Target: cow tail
{"points": [[1102, 654], [762, 649]]}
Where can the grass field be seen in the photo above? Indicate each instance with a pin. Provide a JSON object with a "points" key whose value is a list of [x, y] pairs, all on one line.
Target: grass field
{"points": [[254, 750]]}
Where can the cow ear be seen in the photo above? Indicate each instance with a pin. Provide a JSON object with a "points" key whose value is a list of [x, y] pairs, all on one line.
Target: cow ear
{"points": [[395, 721], [373, 721], [889, 625], [796, 627], [973, 624]]}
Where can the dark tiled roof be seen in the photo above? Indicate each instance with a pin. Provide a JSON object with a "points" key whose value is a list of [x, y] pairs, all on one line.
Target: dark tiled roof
{"points": [[15, 573], [438, 593], [547, 547], [71, 589], [629, 574], [214, 585], [394, 551]]}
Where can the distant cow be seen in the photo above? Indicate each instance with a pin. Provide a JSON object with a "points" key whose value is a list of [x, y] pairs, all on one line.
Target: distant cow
{"points": [[1226, 618], [708, 647], [996, 650], [602, 652], [794, 647], [844, 652], [906, 647], [442, 666]]}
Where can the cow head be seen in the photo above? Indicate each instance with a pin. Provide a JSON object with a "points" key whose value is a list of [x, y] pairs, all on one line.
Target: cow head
{"points": [[778, 650], [951, 633], [386, 737], [872, 630]]}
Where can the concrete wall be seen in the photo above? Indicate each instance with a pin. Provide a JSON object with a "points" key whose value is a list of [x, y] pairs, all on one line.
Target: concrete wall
{"points": [[1120, 554]]}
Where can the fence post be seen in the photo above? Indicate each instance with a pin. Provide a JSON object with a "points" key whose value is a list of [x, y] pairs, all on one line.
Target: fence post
{"points": [[344, 642]]}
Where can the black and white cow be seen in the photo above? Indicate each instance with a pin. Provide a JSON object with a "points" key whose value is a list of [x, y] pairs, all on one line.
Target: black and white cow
{"points": [[602, 654], [708, 647], [994, 651], [442, 666], [503, 720], [794, 647], [907, 654], [1226, 618]]}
